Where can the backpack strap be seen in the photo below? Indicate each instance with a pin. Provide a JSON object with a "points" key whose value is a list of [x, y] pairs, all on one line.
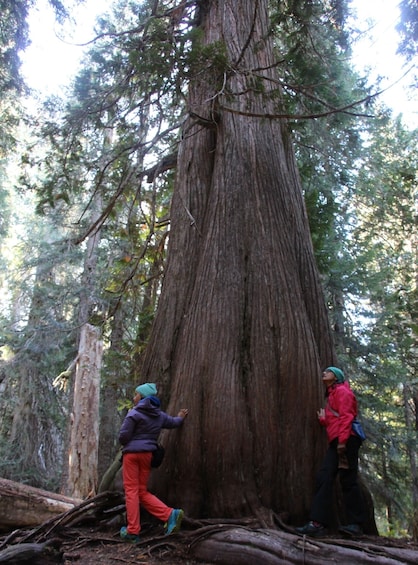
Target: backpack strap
{"points": [[332, 410]]}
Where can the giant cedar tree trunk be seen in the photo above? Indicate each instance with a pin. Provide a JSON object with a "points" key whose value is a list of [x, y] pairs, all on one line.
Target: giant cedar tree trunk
{"points": [[241, 332]]}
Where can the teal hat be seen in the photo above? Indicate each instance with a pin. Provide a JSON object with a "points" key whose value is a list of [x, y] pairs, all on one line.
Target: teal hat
{"points": [[338, 374], [147, 389]]}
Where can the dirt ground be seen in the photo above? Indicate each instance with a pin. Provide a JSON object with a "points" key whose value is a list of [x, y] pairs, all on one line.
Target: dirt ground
{"points": [[90, 546], [97, 545], [125, 556], [153, 550], [94, 547]]}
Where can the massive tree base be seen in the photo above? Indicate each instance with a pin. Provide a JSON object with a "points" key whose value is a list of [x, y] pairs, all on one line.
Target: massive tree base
{"points": [[89, 534]]}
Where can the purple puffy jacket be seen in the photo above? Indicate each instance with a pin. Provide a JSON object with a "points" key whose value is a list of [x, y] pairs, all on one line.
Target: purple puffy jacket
{"points": [[142, 425]]}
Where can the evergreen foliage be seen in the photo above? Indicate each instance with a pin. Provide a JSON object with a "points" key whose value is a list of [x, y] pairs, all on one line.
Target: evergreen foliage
{"points": [[384, 242], [13, 39]]}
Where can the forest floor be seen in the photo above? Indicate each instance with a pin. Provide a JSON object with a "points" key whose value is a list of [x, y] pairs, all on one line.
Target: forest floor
{"points": [[101, 548], [93, 547], [101, 545], [88, 534]]}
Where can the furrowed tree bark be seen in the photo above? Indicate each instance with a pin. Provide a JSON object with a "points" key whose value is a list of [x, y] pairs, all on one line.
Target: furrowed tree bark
{"points": [[241, 333]]}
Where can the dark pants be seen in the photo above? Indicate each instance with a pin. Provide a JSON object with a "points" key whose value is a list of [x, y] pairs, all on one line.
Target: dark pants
{"points": [[322, 505]]}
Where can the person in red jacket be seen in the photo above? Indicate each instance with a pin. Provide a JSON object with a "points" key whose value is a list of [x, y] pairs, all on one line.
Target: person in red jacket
{"points": [[341, 457]]}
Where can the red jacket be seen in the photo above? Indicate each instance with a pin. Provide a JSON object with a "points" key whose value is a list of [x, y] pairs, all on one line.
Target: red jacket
{"points": [[341, 400]]}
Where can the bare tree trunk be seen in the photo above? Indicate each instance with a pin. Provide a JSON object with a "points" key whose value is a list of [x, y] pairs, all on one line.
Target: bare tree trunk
{"points": [[386, 488], [109, 421], [89, 349], [241, 331], [84, 442]]}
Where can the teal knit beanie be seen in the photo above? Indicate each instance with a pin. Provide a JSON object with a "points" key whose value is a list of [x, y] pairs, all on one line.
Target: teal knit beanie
{"points": [[147, 389], [338, 374]]}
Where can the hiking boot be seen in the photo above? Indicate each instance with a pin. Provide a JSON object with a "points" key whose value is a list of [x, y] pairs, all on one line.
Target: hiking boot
{"points": [[126, 536], [351, 529], [312, 529], [174, 521]]}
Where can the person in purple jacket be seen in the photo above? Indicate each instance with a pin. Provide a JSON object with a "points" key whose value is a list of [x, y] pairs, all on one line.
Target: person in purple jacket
{"points": [[139, 435]]}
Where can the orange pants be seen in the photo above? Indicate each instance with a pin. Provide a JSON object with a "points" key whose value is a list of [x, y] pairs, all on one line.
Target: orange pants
{"points": [[136, 471]]}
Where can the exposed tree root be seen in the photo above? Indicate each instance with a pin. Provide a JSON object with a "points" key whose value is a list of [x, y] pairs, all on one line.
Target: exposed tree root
{"points": [[30, 552], [239, 545]]}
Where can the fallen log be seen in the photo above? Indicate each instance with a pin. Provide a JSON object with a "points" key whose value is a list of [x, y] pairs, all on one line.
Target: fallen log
{"points": [[38, 543], [96, 510], [24, 506]]}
